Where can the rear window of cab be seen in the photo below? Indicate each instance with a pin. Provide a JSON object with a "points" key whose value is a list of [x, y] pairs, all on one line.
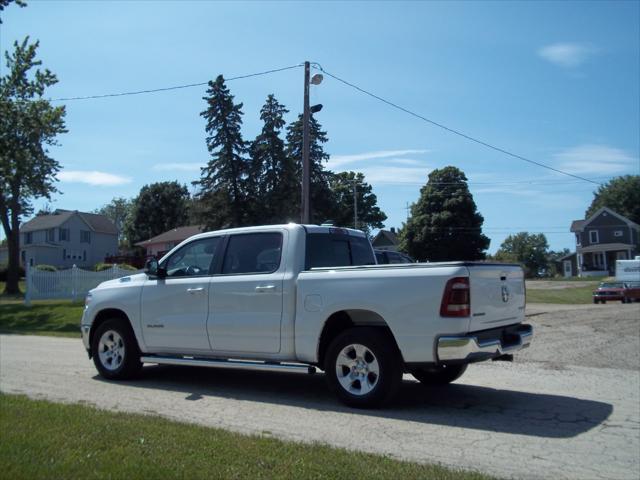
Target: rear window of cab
{"points": [[337, 250]]}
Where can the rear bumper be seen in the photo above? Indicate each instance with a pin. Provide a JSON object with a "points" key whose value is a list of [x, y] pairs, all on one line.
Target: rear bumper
{"points": [[479, 346]]}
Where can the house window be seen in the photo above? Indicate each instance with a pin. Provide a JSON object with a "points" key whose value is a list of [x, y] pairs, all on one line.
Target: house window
{"points": [[28, 238], [593, 236], [51, 235], [63, 234], [577, 239], [64, 253], [617, 233], [598, 259], [85, 236]]}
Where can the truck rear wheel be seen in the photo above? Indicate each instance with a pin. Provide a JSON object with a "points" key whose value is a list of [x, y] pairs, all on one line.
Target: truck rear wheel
{"points": [[363, 367], [440, 375], [115, 351]]}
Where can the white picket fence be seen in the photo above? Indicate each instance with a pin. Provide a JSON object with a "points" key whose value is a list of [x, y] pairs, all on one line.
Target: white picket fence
{"points": [[73, 283]]}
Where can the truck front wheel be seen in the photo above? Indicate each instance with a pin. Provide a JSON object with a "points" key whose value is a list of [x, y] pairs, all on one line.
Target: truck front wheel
{"points": [[363, 367], [440, 375], [115, 350]]}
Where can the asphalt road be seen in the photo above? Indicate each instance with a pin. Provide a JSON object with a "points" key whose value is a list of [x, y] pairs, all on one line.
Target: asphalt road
{"points": [[523, 420]]}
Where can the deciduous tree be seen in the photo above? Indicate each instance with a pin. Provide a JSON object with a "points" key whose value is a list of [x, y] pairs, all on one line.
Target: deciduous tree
{"points": [[159, 207], [29, 124], [369, 214], [621, 194], [528, 249]]}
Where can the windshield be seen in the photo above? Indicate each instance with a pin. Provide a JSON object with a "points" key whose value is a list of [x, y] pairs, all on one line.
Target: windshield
{"points": [[611, 285]]}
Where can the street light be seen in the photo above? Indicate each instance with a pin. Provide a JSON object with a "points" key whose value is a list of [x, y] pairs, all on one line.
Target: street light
{"points": [[306, 113]]}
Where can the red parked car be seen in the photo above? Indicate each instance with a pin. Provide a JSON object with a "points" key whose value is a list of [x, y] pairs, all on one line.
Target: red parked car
{"points": [[609, 291], [631, 292]]}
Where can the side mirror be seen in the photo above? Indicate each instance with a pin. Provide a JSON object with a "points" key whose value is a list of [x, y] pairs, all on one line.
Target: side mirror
{"points": [[152, 269]]}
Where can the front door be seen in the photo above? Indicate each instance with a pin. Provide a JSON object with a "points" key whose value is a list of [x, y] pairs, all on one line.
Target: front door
{"points": [[568, 272], [246, 301], [175, 308]]}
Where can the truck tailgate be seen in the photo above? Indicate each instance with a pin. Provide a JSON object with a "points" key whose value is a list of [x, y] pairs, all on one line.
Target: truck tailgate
{"points": [[497, 295]]}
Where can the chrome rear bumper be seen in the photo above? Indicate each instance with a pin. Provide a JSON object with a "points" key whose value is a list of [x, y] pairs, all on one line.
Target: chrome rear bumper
{"points": [[469, 348]]}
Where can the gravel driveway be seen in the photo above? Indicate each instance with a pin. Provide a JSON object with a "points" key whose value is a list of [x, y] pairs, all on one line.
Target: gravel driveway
{"points": [[558, 411]]}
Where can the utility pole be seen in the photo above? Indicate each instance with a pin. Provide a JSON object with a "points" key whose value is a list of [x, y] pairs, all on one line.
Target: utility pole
{"points": [[306, 202], [355, 204]]}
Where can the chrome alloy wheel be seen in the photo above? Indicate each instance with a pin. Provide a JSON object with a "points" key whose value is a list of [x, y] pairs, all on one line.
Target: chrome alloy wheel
{"points": [[357, 369], [111, 350]]}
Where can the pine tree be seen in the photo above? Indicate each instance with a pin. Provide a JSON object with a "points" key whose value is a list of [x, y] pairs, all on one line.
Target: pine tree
{"points": [[444, 222], [227, 170], [321, 196], [272, 181]]}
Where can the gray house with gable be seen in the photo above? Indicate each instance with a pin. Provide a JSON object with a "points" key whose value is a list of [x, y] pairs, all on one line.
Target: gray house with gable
{"points": [[66, 238], [602, 239]]}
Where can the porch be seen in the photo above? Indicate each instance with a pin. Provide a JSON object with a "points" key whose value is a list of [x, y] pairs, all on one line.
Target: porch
{"points": [[600, 261]]}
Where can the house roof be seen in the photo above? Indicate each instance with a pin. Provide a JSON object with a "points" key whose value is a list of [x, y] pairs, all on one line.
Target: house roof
{"points": [[385, 237], [176, 235], [96, 222], [578, 225]]}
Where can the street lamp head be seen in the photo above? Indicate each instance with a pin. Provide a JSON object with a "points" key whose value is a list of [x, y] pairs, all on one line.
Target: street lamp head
{"points": [[315, 108], [316, 79]]}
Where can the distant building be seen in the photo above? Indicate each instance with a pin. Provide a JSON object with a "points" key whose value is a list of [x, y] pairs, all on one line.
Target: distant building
{"points": [[65, 238], [386, 240], [161, 244], [602, 239]]}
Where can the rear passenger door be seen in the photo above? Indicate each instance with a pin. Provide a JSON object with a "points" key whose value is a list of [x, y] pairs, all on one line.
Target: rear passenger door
{"points": [[245, 309]]}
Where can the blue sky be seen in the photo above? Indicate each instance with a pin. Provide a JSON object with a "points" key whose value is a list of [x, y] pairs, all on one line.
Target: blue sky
{"points": [[557, 82]]}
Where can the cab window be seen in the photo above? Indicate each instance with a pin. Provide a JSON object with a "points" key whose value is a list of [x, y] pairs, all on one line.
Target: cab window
{"points": [[196, 259], [253, 253]]}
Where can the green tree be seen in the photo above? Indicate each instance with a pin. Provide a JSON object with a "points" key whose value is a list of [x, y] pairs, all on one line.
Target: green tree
{"points": [[159, 207], [528, 249], [444, 223], [120, 211], [226, 172], [322, 198], [5, 3], [621, 194], [28, 125], [273, 183], [369, 214]]}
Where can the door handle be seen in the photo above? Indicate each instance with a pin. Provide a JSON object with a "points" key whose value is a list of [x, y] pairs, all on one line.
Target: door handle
{"points": [[195, 290], [265, 288]]}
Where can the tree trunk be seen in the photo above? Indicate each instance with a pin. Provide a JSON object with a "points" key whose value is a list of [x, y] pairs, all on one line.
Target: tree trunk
{"points": [[13, 270]]}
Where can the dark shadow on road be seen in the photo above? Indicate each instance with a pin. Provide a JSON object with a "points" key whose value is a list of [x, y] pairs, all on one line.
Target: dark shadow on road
{"points": [[456, 405]]}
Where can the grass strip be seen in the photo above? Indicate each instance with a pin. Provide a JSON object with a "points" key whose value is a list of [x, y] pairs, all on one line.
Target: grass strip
{"points": [[570, 296], [45, 317], [48, 440]]}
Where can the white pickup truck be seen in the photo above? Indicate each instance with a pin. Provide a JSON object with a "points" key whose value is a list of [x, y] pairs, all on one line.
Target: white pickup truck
{"points": [[294, 297]]}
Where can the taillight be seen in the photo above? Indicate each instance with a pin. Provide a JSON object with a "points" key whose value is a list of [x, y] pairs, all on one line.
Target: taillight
{"points": [[456, 300]]}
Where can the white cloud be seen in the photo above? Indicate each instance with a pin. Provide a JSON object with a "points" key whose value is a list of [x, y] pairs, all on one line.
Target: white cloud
{"points": [[567, 54], [178, 167], [593, 159], [393, 175], [337, 161], [92, 178]]}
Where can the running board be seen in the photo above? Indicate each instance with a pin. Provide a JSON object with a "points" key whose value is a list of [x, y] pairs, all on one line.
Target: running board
{"points": [[237, 364]]}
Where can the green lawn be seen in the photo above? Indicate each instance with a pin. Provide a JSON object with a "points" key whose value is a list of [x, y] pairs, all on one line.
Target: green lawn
{"points": [[46, 440], [43, 317], [572, 296]]}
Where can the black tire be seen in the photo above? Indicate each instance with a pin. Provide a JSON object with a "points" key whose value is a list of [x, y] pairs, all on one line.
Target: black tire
{"points": [[380, 366], [439, 375], [125, 355]]}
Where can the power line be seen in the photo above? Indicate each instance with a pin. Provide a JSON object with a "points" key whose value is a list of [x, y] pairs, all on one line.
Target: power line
{"points": [[176, 87], [451, 130]]}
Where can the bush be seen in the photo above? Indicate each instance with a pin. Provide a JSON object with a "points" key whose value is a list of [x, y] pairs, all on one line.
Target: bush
{"points": [[106, 266], [46, 268], [3, 272]]}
